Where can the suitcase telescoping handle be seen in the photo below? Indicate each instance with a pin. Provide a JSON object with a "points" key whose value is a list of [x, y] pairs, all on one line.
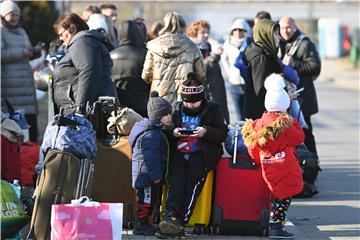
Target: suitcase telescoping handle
{"points": [[238, 125], [107, 98]]}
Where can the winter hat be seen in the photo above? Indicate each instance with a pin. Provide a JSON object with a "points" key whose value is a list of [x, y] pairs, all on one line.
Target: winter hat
{"points": [[7, 7], [157, 107], [276, 98], [192, 90], [97, 21], [241, 23]]}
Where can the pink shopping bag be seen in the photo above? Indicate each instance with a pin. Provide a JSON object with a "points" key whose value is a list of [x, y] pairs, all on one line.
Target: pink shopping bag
{"points": [[88, 220]]}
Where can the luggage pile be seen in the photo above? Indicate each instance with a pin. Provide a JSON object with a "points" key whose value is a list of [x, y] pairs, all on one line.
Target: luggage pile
{"points": [[83, 159], [89, 156], [18, 159]]}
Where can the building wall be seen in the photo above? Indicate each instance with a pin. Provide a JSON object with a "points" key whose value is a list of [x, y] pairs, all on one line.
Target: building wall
{"points": [[220, 14]]}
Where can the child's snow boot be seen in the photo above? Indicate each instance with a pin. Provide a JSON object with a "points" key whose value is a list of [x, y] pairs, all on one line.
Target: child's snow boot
{"points": [[277, 231]]}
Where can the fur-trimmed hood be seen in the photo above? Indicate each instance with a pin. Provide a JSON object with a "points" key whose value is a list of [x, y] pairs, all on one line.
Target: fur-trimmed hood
{"points": [[267, 128]]}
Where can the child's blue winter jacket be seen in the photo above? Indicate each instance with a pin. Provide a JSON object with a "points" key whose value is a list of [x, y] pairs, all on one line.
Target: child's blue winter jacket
{"points": [[149, 153]]}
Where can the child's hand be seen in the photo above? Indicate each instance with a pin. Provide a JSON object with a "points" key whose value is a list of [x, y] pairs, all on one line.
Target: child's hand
{"points": [[176, 132], [157, 181], [200, 131]]}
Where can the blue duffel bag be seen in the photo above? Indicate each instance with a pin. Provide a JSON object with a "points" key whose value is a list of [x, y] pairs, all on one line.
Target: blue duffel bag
{"points": [[230, 141], [71, 133]]}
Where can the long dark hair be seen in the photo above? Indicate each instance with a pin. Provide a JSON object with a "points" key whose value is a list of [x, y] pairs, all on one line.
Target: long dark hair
{"points": [[71, 22]]}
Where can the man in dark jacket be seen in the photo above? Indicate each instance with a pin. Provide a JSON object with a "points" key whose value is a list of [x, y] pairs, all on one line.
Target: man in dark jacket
{"points": [[128, 61], [83, 73], [197, 151], [300, 53]]}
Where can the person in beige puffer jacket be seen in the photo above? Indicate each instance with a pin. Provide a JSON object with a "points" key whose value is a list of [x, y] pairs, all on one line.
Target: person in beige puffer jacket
{"points": [[170, 57]]}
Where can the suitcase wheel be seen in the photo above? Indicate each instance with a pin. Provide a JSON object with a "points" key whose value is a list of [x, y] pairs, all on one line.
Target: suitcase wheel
{"points": [[265, 218], [208, 230], [216, 230], [197, 229], [130, 225], [264, 232]]}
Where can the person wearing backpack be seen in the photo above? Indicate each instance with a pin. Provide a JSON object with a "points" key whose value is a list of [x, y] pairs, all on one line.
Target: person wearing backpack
{"points": [[150, 150], [299, 52], [239, 38]]}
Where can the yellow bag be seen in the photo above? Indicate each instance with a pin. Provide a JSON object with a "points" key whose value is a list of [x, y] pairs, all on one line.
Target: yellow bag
{"points": [[202, 210]]}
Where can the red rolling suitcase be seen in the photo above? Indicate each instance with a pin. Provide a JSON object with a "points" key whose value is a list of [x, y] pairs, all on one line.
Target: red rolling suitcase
{"points": [[10, 159], [242, 199]]}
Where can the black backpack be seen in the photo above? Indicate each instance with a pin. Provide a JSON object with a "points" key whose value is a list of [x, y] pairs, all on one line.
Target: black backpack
{"points": [[309, 164]]}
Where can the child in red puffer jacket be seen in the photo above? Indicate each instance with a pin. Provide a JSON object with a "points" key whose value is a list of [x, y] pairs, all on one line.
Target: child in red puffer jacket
{"points": [[271, 142]]}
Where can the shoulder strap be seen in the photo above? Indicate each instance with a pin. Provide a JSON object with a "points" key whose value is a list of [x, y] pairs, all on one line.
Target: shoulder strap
{"points": [[10, 108], [295, 45]]}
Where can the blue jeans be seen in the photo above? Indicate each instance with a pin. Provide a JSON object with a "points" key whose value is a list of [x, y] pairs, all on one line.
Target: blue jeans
{"points": [[237, 95], [296, 112]]}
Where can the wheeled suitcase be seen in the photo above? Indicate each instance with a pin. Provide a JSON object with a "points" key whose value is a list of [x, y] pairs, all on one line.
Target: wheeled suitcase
{"points": [[112, 178], [242, 199], [29, 157], [63, 178], [10, 159]]}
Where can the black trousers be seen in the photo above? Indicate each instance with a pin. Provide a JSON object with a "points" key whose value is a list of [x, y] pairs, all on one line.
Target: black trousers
{"points": [[187, 178], [309, 137], [33, 131], [147, 198]]}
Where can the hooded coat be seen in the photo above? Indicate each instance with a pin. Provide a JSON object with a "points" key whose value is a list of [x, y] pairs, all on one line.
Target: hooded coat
{"points": [[128, 61], [231, 52], [17, 84], [271, 142], [169, 59], [149, 153], [84, 72], [261, 58]]}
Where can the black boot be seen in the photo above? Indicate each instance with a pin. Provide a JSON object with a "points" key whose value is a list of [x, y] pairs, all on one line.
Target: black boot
{"points": [[143, 228], [277, 231]]}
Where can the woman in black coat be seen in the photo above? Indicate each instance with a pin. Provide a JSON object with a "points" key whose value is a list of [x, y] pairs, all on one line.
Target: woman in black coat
{"points": [[128, 61], [83, 73], [261, 58]]}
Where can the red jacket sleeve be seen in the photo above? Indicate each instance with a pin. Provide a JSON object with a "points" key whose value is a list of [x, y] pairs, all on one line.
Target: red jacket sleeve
{"points": [[254, 154], [295, 134]]}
